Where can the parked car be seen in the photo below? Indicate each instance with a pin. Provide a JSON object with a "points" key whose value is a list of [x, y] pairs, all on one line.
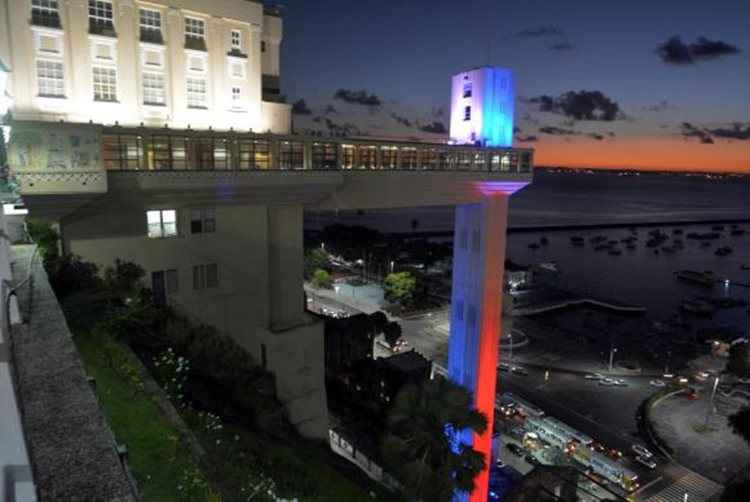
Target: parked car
{"points": [[514, 449], [519, 371], [646, 461], [641, 451], [594, 376], [607, 382], [499, 464], [657, 383], [531, 459], [619, 382], [503, 367]]}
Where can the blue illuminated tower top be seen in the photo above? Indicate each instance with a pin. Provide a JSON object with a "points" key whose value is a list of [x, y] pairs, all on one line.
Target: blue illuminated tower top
{"points": [[482, 103]]}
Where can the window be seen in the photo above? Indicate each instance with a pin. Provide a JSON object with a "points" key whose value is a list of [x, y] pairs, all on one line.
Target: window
{"points": [[236, 40], [100, 16], [173, 284], [45, 13], [195, 33], [237, 69], [202, 221], [49, 76], [205, 276], [262, 46], [150, 21], [467, 113], [467, 90], [236, 97], [161, 223], [105, 84], [153, 89], [196, 93]]}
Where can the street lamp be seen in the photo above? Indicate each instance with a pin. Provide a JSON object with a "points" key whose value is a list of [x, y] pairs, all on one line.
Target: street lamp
{"points": [[611, 357], [392, 264]]}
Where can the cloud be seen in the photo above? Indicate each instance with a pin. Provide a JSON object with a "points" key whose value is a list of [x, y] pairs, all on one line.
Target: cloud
{"points": [[527, 139], [300, 108], [438, 112], [581, 105], [401, 120], [736, 131], [561, 46], [675, 51], [548, 30], [558, 131], [346, 129], [661, 106], [435, 127], [330, 110], [596, 136], [530, 120], [358, 97]]}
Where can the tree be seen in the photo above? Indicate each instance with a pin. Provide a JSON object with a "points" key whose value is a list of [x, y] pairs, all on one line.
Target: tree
{"points": [[739, 360], [399, 288], [322, 279], [315, 259], [416, 447], [740, 423], [392, 333], [123, 279]]}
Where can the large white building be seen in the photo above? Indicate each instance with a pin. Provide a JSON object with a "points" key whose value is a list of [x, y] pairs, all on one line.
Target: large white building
{"points": [[180, 63], [142, 131]]}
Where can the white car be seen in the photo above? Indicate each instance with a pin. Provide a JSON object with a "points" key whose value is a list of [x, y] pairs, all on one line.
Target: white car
{"points": [[657, 383], [619, 382], [641, 451], [646, 461], [607, 382], [594, 376]]}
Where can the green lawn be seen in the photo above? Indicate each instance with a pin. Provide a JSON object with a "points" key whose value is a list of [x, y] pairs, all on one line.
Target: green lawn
{"points": [[156, 457]]}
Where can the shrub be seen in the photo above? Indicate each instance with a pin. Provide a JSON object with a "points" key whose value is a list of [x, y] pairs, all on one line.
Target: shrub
{"points": [[44, 236], [322, 279], [123, 278], [70, 274]]}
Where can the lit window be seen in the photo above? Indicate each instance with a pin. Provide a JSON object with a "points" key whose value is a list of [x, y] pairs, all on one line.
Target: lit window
{"points": [[161, 223], [45, 13], [237, 40], [467, 113], [205, 276], [195, 28], [467, 90], [105, 84], [49, 76], [202, 221], [236, 97], [100, 16], [150, 21], [153, 89], [196, 93]]}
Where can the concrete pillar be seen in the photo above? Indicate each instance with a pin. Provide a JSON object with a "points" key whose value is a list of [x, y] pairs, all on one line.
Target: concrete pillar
{"points": [[285, 266], [77, 67], [478, 259], [128, 36]]}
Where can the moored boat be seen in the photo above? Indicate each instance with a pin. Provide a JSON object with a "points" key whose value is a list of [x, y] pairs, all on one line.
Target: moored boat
{"points": [[706, 279]]}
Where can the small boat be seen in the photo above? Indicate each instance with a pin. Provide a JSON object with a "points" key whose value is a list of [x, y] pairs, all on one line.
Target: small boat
{"points": [[577, 240], [705, 244], [737, 231], [705, 279], [723, 251], [717, 228], [699, 307], [533, 245], [668, 249], [544, 241], [744, 267], [615, 252], [677, 231], [601, 247], [703, 236], [630, 246], [597, 239]]}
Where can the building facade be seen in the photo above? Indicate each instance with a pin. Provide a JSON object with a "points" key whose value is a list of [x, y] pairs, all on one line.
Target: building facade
{"points": [[182, 63]]}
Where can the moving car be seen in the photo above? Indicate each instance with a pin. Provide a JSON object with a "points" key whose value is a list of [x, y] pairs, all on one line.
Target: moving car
{"points": [[519, 371], [657, 383], [531, 459], [503, 367], [514, 449], [646, 461], [607, 382], [619, 382], [594, 376], [641, 451]]}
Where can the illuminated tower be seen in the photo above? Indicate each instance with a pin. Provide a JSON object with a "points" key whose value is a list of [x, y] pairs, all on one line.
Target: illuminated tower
{"points": [[482, 107], [482, 113]]}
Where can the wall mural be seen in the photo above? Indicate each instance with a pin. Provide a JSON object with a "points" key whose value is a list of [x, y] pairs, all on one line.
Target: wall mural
{"points": [[54, 149]]}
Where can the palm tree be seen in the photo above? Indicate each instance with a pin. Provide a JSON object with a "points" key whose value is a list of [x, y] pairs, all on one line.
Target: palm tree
{"points": [[417, 448]]}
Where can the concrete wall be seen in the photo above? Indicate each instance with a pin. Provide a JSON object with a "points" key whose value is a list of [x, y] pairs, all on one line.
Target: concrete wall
{"points": [[79, 51], [252, 294]]}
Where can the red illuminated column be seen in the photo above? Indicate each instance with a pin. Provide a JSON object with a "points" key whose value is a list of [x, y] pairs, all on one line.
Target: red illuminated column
{"points": [[478, 262]]}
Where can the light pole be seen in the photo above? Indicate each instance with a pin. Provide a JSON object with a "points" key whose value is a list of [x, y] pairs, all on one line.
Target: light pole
{"points": [[392, 264], [710, 410], [510, 339], [611, 357]]}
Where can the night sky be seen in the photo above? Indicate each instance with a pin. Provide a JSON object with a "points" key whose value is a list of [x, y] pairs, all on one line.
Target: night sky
{"points": [[599, 83]]}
